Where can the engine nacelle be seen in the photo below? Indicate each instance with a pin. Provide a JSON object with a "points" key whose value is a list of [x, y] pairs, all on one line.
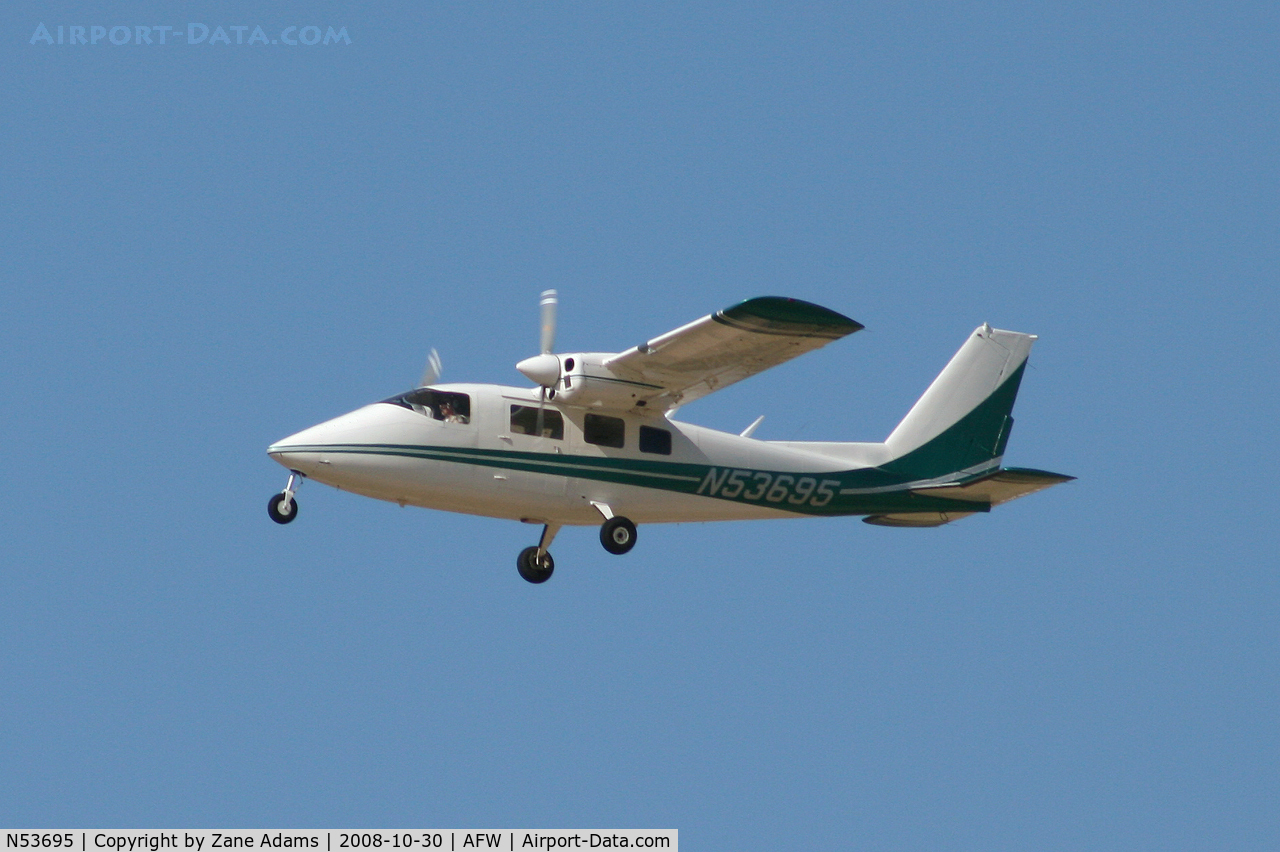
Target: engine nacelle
{"points": [[585, 381]]}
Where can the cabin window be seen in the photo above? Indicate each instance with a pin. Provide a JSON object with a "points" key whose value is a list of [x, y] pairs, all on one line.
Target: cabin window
{"points": [[524, 421], [604, 430], [438, 405], [654, 440]]}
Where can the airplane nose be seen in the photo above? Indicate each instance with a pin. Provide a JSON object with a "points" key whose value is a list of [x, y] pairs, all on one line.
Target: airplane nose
{"points": [[287, 451], [304, 450], [282, 451]]}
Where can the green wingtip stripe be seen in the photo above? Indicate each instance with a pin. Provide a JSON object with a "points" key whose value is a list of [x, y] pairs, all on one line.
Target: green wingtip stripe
{"points": [[779, 315]]}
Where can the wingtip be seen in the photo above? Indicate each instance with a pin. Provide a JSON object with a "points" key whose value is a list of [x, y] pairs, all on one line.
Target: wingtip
{"points": [[785, 313]]}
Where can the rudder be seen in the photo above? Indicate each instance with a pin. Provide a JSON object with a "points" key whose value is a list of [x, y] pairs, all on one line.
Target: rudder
{"points": [[962, 421]]}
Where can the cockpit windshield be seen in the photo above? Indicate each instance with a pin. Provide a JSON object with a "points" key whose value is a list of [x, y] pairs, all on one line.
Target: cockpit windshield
{"points": [[438, 405]]}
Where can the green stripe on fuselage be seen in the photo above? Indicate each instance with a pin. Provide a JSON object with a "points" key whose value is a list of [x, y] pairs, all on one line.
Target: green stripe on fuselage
{"points": [[791, 491]]}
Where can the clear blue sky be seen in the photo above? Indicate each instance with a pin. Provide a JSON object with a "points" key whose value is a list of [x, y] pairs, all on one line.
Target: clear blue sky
{"points": [[209, 247]]}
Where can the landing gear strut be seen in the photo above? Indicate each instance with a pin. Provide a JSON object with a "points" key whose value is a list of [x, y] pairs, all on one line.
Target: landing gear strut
{"points": [[282, 507], [535, 563]]}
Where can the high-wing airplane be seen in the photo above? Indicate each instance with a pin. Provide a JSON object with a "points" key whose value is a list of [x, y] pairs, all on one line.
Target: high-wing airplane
{"points": [[594, 443]]}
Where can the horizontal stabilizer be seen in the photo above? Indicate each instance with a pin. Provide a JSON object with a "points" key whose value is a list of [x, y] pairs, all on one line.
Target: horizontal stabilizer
{"points": [[999, 487], [994, 488]]}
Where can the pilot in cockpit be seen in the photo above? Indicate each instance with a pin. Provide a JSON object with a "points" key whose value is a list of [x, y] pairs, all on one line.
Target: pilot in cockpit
{"points": [[448, 415]]}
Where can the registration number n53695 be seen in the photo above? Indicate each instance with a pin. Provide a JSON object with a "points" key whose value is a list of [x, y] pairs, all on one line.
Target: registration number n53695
{"points": [[760, 485]]}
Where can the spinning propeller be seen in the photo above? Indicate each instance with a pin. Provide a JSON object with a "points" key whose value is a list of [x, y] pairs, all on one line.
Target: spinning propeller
{"points": [[548, 306], [544, 370], [431, 373]]}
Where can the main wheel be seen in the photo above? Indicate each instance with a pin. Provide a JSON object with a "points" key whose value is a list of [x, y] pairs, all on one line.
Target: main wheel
{"points": [[282, 508], [618, 535], [533, 568]]}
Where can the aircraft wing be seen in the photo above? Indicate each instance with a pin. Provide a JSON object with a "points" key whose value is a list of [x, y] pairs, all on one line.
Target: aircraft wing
{"points": [[728, 346]]}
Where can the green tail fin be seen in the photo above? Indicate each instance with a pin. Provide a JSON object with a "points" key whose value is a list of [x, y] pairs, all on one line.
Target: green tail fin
{"points": [[962, 422]]}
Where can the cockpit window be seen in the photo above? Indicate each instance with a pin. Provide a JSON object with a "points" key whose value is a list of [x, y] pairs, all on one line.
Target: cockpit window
{"points": [[530, 420], [438, 405]]}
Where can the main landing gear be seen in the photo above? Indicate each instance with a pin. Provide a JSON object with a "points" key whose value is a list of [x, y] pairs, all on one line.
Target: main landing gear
{"points": [[617, 534], [535, 563], [282, 507]]}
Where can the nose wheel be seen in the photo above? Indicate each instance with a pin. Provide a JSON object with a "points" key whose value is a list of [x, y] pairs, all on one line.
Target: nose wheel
{"points": [[282, 507]]}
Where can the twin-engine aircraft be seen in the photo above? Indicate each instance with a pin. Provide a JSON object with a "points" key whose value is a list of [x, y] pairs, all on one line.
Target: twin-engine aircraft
{"points": [[594, 443]]}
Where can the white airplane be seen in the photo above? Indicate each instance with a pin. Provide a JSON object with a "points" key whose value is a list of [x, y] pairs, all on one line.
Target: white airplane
{"points": [[594, 442]]}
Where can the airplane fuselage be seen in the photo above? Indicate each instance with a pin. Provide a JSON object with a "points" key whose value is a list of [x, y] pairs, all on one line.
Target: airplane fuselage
{"points": [[500, 460], [593, 442]]}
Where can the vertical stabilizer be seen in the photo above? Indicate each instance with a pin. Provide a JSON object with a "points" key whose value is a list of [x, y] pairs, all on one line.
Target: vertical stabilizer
{"points": [[963, 420]]}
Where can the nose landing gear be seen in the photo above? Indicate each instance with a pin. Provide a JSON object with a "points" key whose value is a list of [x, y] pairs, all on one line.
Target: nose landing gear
{"points": [[282, 507]]}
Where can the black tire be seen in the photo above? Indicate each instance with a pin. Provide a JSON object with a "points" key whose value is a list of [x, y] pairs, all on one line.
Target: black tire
{"points": [[282, 508], [618, 535], [532, 568]]}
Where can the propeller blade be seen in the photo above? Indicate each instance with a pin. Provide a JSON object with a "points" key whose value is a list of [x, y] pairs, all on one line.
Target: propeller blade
{"points": [[548, 305], [432, 371]]}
